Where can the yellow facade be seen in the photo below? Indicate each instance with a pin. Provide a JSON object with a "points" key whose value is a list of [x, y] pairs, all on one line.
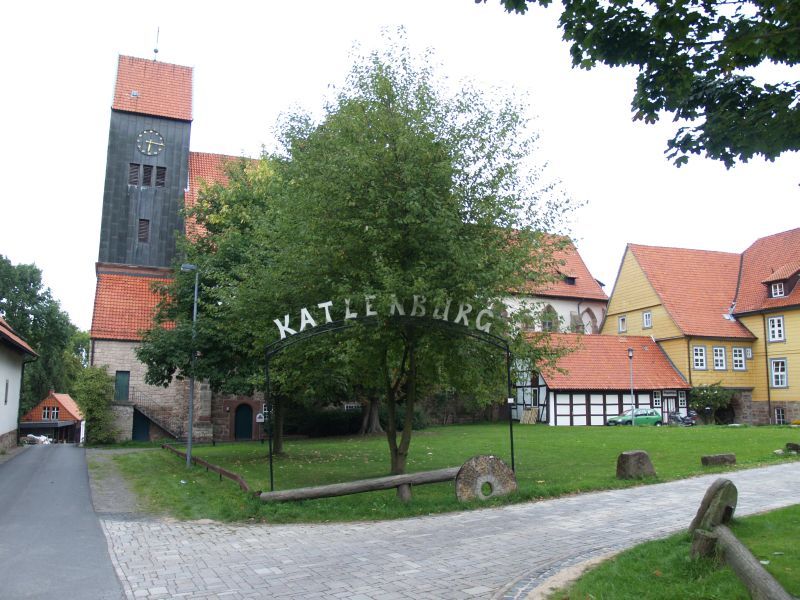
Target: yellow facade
{"points": [[764, 352], [632, 297]]}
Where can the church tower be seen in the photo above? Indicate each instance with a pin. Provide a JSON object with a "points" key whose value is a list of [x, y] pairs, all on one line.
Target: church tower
{"points": [[147, 165]]}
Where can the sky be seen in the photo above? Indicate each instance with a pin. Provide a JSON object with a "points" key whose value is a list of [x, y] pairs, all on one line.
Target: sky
{"points": [[254, 60]]}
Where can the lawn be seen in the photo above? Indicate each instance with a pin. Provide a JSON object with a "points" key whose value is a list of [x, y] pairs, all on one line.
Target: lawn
{"points": [[662, 569], [550, 461]]}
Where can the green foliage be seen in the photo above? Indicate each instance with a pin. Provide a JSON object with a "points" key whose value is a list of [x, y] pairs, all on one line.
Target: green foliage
{"points": [[93, 390], [712, 396], [695, 61], [33, 313], [550, 462]]}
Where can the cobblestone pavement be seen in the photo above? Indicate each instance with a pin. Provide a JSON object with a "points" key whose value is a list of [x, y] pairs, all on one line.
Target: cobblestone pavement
{"points": [[493, 553]]}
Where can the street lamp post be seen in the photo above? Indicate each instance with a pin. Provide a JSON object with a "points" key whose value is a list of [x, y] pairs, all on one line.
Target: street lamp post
{"points": [[633, 400], [191, 267]]}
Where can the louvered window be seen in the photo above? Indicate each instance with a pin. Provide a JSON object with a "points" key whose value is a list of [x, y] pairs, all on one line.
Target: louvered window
{"points": [[161, 176], [144, 230], [147, 175], [133, 173]]}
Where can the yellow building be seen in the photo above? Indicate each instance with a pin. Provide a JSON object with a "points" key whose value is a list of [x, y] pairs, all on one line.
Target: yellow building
{"points": [[720, 317]]}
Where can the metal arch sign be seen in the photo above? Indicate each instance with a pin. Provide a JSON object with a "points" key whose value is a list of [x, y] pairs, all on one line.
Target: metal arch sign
{"points": [[462, 316]]}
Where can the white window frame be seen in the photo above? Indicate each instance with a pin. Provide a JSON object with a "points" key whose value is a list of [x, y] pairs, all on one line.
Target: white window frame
{"points": [[778, 376], [681, 398], [720, 360], [777, 290], [45, 413], [748, 353], [647, 320], [699, 358], [775, 329], [780, 415], [54, 413], [657, 399], [738, 360], [622, 324]]}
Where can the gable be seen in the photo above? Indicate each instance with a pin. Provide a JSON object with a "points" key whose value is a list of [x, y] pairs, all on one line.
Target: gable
{"points": [[769, 259]]}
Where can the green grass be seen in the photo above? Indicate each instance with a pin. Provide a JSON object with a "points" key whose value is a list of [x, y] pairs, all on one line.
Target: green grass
{"points": [[550, 461], [662, 569]]}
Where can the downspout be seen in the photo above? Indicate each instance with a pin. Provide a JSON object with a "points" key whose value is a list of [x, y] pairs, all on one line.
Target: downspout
{"points": [[580, 318], [766, 367]]}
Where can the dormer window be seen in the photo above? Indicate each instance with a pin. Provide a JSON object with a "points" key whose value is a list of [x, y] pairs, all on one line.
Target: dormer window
{"points": [[777, 290], [569, 280]]}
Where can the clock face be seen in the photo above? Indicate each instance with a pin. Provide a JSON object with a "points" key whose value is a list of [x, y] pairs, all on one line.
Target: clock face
{"points": [[150, 142]]}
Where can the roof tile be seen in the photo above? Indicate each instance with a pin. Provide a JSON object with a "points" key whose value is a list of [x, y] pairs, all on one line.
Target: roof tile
{"points": [[153, 88], [697, 288], [11, 337], [651, 367], [568, 263], [125, 303], [766, 260]]}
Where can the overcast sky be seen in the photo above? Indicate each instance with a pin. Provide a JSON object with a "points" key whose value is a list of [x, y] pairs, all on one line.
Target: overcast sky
{"points": [[253, 60]]}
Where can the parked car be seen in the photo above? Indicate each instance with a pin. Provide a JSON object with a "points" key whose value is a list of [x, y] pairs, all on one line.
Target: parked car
{"points": [[644, 416]]}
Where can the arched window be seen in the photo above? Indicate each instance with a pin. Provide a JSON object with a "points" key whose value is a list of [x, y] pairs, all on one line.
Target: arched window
{"points": [[549, 319], [589, 321]]}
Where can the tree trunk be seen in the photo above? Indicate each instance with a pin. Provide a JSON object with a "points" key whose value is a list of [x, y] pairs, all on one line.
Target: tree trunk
{"points": [[371, 422], [400, 456]]}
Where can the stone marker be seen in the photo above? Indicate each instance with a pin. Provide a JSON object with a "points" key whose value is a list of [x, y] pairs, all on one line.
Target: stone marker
{"points": [[792, 447], [634, 464], [717, 507], [718, 459], [480, 470]]}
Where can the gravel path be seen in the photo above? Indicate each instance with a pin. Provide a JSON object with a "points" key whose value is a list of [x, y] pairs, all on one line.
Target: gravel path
{"points": [[111, 494]]}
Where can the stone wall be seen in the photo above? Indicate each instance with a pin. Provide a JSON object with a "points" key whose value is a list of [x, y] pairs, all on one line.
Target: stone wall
{"points": [[757, 412], [8, 439], [224, 410], [122, 421]]}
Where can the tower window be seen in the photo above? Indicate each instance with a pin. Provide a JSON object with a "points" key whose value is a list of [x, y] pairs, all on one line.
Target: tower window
{"points": [[133, 173], [161, 176], [147, 175], [144, 230]]}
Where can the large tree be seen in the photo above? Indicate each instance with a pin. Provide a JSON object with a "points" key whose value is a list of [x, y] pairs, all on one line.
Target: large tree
{"points": [[695, 60], [398, 191], [29, 307]]}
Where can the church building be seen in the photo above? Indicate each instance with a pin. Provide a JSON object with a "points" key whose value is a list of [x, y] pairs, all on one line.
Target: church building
{"points": [[151, 175]]}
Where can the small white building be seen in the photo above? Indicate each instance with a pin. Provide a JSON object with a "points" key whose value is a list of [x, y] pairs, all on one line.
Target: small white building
{"points": [[14, 353]]}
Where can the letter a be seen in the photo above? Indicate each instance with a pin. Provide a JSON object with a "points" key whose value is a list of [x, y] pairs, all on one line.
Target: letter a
{"points": [[306, 320]]}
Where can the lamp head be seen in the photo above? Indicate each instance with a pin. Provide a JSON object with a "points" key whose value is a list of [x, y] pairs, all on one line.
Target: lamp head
{"points": [[630, 353], [188, 267]]}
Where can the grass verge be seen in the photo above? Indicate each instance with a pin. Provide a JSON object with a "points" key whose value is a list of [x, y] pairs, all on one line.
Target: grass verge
{"points": [[662, 569], [550, 461]]}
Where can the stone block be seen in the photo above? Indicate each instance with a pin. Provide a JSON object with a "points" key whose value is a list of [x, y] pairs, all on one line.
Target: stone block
{"points": [[634, 464], [718, 459], [792, 447]]}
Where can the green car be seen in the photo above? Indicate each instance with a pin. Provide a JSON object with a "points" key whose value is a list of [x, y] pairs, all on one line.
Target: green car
{"points": [[644, 416]]}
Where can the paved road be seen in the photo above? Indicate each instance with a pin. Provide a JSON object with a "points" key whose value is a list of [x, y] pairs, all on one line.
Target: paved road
{"points": [[494, 553], [51, 543]]}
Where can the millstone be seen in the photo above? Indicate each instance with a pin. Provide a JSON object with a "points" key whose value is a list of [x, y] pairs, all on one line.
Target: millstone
{"points": [[482, 477]]}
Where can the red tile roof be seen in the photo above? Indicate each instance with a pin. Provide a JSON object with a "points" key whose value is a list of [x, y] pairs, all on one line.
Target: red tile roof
{"points": [[568, 263], [124, 302], [651, 368], [71, 411], [772, 258], [696, 287], [12, 338], [153, 88]]}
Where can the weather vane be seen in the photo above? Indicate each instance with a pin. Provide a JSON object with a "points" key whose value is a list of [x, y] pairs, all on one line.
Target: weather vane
{"points": [[155, 50]]}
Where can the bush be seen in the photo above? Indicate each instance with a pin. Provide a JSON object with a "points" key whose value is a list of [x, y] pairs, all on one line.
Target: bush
{"points": [[420, 420], [93, 391]]}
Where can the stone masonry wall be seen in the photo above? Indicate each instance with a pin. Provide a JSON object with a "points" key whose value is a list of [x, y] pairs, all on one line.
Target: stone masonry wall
{"points": [[122, 421], [756, 412], [120, 356], [8, 440]]}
